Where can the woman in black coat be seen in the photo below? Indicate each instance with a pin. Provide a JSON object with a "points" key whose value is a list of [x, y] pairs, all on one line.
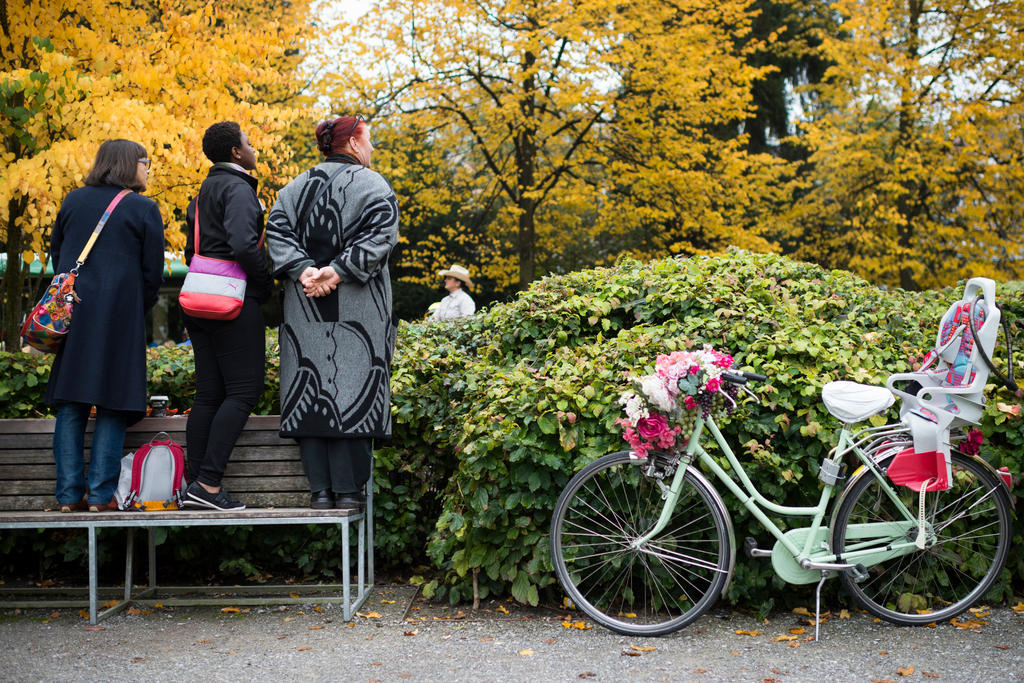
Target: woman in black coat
{"points": [[230, 355], [102, 362]]}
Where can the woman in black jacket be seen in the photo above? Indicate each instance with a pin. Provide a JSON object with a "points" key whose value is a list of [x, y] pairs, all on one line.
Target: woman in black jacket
{"points": [[229, 354], [102, 362]]}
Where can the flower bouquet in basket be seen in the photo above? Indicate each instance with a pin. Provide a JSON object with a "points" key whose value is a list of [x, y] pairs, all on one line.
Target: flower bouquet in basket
{"points": [[663, 405]]}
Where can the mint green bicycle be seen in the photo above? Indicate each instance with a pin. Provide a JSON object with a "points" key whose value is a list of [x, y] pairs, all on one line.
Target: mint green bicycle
{"points": [[645, 546]]}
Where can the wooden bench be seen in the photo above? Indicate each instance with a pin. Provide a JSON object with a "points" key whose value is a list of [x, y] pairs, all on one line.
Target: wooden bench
{"points": [[264, 472]]}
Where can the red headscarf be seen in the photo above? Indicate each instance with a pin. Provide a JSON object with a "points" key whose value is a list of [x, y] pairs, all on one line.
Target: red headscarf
{"points": [[333, 135]]}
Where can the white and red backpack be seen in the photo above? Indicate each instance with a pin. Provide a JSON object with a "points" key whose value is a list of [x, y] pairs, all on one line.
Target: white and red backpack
{"points": [[152, 478]]}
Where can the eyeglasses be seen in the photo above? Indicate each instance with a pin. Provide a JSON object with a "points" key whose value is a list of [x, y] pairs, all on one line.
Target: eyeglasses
{"points": [[145, 162], [359, 119]]}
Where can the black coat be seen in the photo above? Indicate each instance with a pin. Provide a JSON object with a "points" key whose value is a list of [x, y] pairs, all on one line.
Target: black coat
{"points": [[230, 226], [103, 359]]}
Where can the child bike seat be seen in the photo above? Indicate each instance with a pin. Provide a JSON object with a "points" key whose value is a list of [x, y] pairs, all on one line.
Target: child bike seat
{"points": [[852, 402]]}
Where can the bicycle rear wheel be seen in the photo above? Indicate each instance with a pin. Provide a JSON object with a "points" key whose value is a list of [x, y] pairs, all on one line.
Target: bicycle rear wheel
{"points": [[972, 523], [666, 583]]}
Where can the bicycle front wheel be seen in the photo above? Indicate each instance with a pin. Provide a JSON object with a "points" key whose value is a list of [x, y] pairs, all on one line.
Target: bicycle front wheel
{"points": [[972, 525], [665, 583]]}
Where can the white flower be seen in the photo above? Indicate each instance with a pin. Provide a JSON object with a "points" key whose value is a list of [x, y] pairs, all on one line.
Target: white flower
{"points": [[653, 387], [634, 407]]}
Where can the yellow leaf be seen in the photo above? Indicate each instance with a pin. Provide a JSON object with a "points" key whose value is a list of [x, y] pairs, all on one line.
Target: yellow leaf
{"points": [[526, 653], [741, 632], [799, 630], [645, 648], [803, 611], [844, 614], [501, 608], [387, 602], [905, 670], [369, 615], [783, 638], [230, 610]]}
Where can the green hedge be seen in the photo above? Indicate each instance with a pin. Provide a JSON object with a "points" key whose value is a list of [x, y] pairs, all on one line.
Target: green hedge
{"points": [[494, 413]]}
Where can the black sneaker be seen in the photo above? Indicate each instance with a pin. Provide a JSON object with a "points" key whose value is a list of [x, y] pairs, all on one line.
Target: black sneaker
{"points": [[197, 496]]}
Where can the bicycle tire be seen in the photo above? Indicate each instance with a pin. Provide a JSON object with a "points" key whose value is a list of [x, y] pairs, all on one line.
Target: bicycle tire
{"points": [[973, 524], [649, 591]]}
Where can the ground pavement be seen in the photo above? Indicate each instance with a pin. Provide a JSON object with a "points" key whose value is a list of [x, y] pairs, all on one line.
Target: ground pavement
{"points": [[400, 637]]}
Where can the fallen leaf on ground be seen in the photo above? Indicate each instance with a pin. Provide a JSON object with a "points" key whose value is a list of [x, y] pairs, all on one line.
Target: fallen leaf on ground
{"points": [[700, 671], [315, 628], [230, 610], [803, 611], [411, 633], [741, 632], [783, 638], [293, 594], [287, 619], [526, 653], [844, 614], [90, 627], [1005, 647], [55, 615], [1018, 608], [501, 608], [980, 612], [281, 637], [303, 649], [387, 602], [110, 603], [794, 644], [158, 605], [645, 648], [631, 653], [968, 623], [134, 611], [588, 674], [798, 631], [551, 641], [318, 608], [369, 615], [581, 625], [905, 670]]}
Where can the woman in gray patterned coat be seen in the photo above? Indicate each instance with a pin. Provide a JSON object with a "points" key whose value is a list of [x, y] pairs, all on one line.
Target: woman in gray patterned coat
{"points": [[330, 234]]}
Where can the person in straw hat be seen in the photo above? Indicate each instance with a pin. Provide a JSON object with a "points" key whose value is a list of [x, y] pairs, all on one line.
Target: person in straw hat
{"points": [[458, 303]]}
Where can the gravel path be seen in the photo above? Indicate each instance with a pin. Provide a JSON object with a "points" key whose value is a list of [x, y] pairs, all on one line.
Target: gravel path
{"points": [[399, 641]]}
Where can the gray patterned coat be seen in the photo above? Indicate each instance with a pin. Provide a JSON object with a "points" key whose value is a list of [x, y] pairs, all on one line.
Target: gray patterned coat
{"points": [[336, 350]]}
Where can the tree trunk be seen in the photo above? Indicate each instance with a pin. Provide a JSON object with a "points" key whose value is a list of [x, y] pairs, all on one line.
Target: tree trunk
{"points": [[526, 164], [14, 276], [907, 204]]}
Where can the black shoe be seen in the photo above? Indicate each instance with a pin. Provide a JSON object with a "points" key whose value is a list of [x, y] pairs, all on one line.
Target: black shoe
{"points": [[321, 500], [349, 501], [197, 496]]}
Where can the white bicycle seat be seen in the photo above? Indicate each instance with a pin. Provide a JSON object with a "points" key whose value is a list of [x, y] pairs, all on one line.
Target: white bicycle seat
{"points": [[852, 402]]}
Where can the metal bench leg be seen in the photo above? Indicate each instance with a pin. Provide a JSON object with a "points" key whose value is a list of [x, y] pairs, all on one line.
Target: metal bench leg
{"points": [[346, 572], [152, 559], [129, 562], [93, 576]]}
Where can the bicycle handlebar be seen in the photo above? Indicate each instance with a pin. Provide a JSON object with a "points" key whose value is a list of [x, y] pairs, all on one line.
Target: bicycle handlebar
{"points": [[740, 377]]}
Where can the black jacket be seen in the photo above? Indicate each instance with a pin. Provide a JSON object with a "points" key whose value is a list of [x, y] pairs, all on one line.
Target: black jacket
{"points": [[103, 359], [230, 226]]}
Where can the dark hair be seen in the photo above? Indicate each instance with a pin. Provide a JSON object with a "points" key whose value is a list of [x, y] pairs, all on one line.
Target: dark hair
{"points": [[333, 134], [219, 139], [117, 163]]}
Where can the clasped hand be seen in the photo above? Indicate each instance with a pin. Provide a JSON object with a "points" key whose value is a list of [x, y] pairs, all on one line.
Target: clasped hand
{"points": [[319, 281]]}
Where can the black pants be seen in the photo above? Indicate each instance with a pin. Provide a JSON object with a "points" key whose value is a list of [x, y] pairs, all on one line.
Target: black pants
{"points": [[230, 358], [339, 465]]}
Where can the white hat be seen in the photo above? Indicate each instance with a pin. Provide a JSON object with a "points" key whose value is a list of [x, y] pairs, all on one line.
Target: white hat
{"points": [[457, 272]]}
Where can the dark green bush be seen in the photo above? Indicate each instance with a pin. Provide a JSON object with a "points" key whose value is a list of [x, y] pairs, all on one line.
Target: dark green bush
{"points": [[494, 413]]}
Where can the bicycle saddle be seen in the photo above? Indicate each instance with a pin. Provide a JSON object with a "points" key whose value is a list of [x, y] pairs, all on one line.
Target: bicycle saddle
{"points": [[852, 402]]}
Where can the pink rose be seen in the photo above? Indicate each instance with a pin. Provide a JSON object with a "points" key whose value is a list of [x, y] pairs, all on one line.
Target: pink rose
{"points": [[714, 385], [651, 428], [690, 402]]}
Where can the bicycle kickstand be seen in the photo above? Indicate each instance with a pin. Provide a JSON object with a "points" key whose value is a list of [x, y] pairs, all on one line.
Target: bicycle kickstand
{"points": [[817, 604]]}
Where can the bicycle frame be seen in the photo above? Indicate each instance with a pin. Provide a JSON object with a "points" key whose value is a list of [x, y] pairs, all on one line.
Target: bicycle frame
{"points": [[877, 541]]}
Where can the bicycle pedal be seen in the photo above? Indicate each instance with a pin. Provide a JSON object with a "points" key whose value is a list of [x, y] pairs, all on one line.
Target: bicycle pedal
{"points": [[858, 573], [751, 549]]}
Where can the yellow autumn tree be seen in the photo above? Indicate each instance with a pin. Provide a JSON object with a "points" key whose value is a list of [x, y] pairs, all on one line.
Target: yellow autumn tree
{"points": [[75, 73], [570, 130], [916, 145]]}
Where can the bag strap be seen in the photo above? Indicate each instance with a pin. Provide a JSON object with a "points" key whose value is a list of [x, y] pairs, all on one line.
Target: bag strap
{"points": [[195, 242], [99, 228], [319, 193]]}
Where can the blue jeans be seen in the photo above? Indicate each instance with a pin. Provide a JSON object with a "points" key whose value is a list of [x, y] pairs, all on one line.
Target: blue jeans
{"points": [[104, 456]]}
